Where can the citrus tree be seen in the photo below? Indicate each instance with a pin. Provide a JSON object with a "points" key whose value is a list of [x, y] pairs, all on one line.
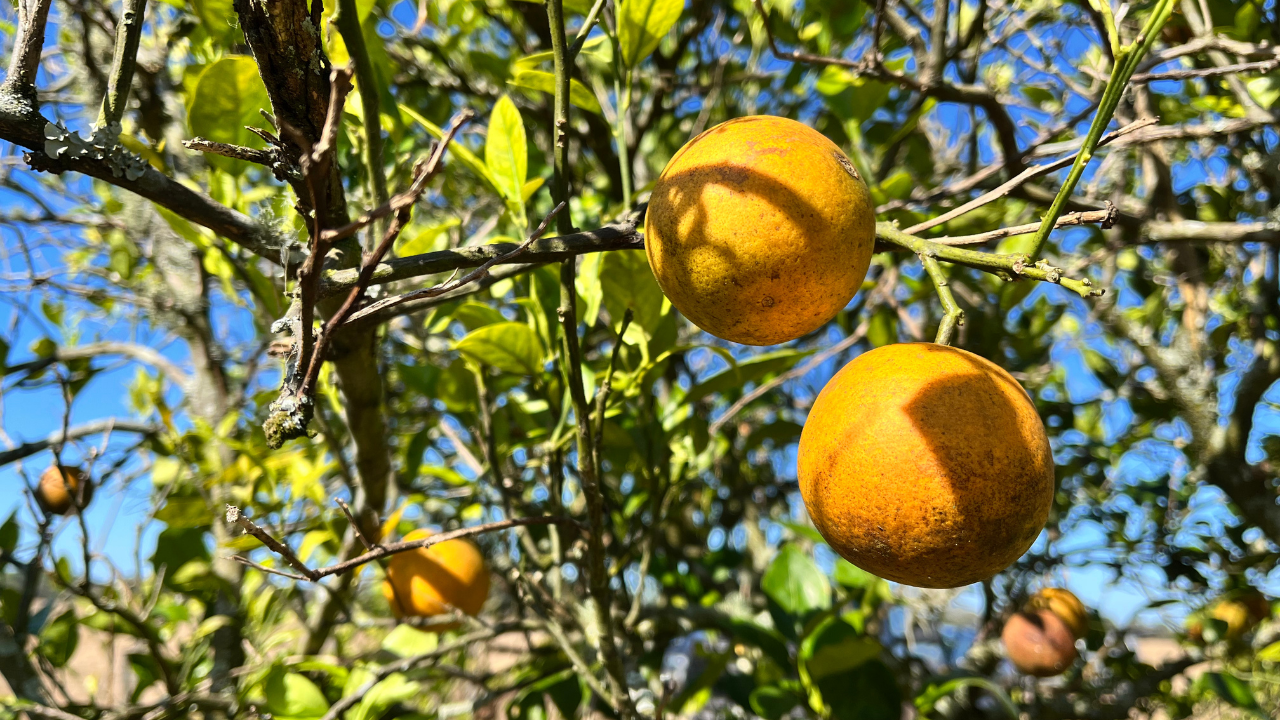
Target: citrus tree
{"points": [[353, 301]]}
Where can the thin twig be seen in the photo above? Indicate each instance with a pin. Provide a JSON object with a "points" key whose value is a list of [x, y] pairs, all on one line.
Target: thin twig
{"points": [[453, 284], [235, 516], [404, 206], [346, 510], [1026, 175], [852, 339], [1105, 217], [236, 152], [378, 551], [1263, 66]]}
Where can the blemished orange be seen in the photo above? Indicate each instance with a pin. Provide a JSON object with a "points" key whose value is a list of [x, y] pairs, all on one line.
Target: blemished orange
{"points": [[429, 581], [58, 487], [1064, 604], [1039, 643], [760, 230], [926, 465]]}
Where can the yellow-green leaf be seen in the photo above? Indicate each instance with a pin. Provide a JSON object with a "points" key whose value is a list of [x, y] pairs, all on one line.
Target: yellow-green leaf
{"points": [[506, 151], [641, 26], [544, 81], [226, 97], [464, 156]]}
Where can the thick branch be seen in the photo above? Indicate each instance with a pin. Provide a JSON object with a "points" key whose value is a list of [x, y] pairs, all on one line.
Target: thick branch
{"points": [[28, 42], [610, 237], [128, 35]]}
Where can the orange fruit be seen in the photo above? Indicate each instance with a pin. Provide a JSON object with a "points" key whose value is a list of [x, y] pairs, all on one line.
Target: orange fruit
{"points": [[926, 465], [58, 487], [430, 581], [1065, 605], [1039, 643], [760, 230]]}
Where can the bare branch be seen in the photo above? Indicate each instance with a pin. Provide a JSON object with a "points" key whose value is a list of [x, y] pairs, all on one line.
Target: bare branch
{"points": [[1105, 217], [141, 353], [1026, 175], [379, 551], [91, 428], [236, 152], [235, 516], [125, 60], [449, 286], [28, 42], [623, 236], [1262, 66]]}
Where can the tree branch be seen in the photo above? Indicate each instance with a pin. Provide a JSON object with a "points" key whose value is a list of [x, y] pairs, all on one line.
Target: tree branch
{"points": [[233, 515], [28, 43], [128, 35], [141, 353], [610, 237], [91, 428]]}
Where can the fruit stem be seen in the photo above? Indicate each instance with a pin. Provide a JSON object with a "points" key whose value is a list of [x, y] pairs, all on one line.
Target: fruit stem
{"points": [[952, 315]]}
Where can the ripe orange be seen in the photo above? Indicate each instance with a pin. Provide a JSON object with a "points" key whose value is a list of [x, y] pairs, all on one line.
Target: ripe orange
{"points": [[58, 487], [1065, 605], [1039, 643], [926, 465], [429, 581], [760, 230]]}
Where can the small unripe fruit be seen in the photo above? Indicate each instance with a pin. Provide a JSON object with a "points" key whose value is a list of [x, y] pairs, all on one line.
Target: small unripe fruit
{"points": [[760, 230], [59, 486], [926, 465], [1039, 643], [429, 581], [1065, 605]]}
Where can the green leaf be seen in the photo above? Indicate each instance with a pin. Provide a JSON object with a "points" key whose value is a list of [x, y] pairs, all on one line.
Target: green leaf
{"points": [[393, 689], [1265, 89], [1270, 653], [218, 18], [1230, 688], [509, 346], [745, 372], [543, 81], [463, 155], [836, 647], [226, 97], [850, 575], [59, 638], [869, 692], [407, 641], [807, 532], [423, 239], [641, 26], [475, 315], [290, 695], [795, 583], [772, 703], [506, 152], [9, 533], [627, 283]]}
